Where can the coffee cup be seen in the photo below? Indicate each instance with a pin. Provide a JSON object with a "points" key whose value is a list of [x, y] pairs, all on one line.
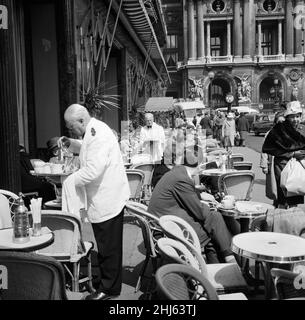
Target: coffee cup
{"points": [[228, 201], [231, 198]]}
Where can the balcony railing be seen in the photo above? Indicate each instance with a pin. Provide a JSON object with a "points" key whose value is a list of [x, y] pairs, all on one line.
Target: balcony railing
{"points": [[219, 59], [271, 58]]}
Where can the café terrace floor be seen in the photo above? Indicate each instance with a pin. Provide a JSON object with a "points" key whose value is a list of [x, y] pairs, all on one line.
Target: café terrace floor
{"points": [[134, 250]]}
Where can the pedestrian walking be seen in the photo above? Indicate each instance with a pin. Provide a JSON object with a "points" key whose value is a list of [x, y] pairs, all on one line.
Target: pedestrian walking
{"points": [[229, 131], [243, 128]]}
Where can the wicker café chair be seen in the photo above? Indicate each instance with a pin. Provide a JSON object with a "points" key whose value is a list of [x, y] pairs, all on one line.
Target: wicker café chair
{"points": [[225, 277], [5, 214], [238, 184], [148, 169], [288, 284], [12, 199], [151, 230], [242, 165], [237, 157], [136, 182], [181, 282], [34, 277], [68, 246]]}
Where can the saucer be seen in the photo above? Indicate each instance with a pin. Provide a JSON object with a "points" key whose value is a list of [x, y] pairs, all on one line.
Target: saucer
{"points": [[221, 207]]}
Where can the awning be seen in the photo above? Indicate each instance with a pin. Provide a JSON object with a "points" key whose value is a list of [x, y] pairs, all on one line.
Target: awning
{"points": [[159, 104], [187, 105], [139, 15]]}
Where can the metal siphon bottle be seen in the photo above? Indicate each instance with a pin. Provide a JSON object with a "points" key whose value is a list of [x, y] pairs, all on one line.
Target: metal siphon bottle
{"points": [[21, 222]]}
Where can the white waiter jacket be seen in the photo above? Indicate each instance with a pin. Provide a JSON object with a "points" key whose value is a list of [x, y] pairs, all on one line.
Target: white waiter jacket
{"points": [[156, 134], [101, 172]]}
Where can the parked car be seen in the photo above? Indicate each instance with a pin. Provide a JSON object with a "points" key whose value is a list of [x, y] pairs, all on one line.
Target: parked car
{"points": [[263, 124]]}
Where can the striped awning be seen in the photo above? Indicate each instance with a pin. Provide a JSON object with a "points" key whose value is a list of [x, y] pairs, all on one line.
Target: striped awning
{"points": [[160, 104], [141, 13]]}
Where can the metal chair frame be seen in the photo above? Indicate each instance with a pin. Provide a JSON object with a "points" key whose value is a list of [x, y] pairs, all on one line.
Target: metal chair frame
{"points": [[84, 248], [140, 175], [223, 188], [150, 230]]}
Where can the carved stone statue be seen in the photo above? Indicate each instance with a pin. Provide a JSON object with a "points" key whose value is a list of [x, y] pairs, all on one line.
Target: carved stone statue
{"points": [[244, 90], [196, 88]]}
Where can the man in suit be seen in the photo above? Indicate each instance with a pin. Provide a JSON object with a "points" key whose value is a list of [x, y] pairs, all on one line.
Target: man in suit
{"points": [[103, 176]]}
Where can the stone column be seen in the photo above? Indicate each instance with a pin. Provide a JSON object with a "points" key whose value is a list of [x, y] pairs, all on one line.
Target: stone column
{"points": [[191, 30], [289, 29], [185, 32], [259, 27], [246, 30], [200, 30], [249, 29], [229, 51], [252, 29], [9, 137], [280, 34], [208, 39], [238, 46], [298, 35]]}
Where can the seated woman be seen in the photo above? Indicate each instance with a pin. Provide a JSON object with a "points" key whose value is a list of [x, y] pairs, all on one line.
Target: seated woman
{"points": [[175, 194], [31, 183]]}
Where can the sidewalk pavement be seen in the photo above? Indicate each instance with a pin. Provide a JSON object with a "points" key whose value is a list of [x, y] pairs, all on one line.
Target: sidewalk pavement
{"points": [[133, 247]]}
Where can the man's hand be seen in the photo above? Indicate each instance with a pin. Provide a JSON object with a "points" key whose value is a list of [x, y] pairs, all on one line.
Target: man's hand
{"points": [[207, 197], [64, 142]]}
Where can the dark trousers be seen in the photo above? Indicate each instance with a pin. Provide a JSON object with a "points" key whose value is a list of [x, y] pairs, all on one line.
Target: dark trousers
{"points": [[109, 238]]}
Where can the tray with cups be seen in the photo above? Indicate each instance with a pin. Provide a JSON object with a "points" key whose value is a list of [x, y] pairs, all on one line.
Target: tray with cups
{"points": [[49, 169]]}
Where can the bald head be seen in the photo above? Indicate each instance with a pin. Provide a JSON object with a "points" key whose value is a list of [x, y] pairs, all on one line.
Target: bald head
{"points": [[77, 118], [149, 119]]}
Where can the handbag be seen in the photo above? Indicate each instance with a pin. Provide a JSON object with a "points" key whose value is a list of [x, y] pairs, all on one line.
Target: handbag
{"points": [[293, 178]]}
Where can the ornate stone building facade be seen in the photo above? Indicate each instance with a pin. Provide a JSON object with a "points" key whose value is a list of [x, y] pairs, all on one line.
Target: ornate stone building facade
{"points": [[253, 49]]}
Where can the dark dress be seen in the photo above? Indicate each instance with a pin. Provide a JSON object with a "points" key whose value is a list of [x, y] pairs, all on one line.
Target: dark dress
{"points": [[175, 194], [31, 183], [281, 142]]}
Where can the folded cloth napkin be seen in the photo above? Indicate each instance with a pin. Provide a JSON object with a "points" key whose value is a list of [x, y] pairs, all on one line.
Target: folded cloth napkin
{"points": [[291, 221], [74, 199]]}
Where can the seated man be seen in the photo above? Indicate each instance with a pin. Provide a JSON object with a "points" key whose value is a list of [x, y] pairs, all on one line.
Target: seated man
{"points": [[175, 194]]}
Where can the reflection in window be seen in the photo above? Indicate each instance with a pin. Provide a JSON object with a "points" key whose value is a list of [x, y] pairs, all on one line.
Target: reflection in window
{"points": [[267, 42], [171, 50], [215, 46]]}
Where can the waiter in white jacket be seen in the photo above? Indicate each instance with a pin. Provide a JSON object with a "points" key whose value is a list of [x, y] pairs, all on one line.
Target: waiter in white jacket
{"points": [[103, 176], [152, 138]]}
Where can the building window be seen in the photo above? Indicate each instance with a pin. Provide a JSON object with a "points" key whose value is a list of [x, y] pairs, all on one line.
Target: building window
{"points": [[171, 50], [267, 42], [215, 46]]}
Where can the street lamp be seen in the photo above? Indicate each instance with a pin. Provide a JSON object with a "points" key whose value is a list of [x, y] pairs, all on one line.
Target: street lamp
{"points": [[211, 76], [277, 93], [229, 100]]}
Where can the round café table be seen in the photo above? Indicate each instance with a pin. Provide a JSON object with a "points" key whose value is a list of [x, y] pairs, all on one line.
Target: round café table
{"points": [[245, 211], [269, 248], [36, 243]]}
